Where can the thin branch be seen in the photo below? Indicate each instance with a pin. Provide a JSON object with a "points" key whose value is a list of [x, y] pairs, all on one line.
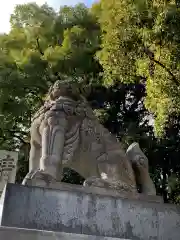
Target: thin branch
{"points": [[151, 57], [39, 47]]}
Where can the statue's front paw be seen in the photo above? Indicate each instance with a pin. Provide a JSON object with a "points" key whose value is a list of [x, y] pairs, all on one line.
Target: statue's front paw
{"points": [[27, 182], [41, 175], [28, 178], [38, 178]]}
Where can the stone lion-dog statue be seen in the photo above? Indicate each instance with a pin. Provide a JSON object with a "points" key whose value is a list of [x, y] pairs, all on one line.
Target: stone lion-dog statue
{"points": [[66, 133]]}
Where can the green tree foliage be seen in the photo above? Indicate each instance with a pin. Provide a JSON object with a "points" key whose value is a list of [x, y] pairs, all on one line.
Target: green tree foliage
{"points": [[141, 39]]}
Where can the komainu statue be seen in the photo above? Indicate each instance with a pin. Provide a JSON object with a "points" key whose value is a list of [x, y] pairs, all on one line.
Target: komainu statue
{"points": [[66, 133]]}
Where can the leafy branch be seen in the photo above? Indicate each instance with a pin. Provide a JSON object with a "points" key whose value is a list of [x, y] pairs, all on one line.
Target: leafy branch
{"points": [[150, 54]]}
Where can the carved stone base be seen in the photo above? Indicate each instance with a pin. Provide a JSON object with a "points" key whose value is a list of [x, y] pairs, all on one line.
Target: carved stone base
{"points": [[88, 211], [97, 190]]}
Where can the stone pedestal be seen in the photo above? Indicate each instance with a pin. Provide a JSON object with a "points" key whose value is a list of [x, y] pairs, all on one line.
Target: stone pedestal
{"points": [[26, 234], [85, 211]]}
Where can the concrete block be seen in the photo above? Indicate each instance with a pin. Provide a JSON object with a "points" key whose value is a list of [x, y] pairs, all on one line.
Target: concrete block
{"points": [[81, 212]]}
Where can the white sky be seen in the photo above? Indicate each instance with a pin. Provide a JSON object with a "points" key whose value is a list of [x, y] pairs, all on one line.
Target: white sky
{"points": [[7, 7]]}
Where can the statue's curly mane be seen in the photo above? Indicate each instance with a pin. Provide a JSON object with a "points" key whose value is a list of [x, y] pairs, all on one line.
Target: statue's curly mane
{"points": [[67, 89]]}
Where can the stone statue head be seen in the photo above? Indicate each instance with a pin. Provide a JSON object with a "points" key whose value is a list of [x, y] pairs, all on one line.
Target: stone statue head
{"points": [[65, 89]]}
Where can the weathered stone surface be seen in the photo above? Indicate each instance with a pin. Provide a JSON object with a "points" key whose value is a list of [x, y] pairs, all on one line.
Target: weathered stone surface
{"points": [[26, 234], [81, 212], [100, 191]]}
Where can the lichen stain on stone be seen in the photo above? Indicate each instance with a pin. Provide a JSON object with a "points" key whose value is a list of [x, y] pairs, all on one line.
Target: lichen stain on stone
{"points": [[129, 232], [130, 235]]}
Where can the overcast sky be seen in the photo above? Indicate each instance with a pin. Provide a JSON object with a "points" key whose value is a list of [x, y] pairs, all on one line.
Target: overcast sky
{"points": [[7, 7]]}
